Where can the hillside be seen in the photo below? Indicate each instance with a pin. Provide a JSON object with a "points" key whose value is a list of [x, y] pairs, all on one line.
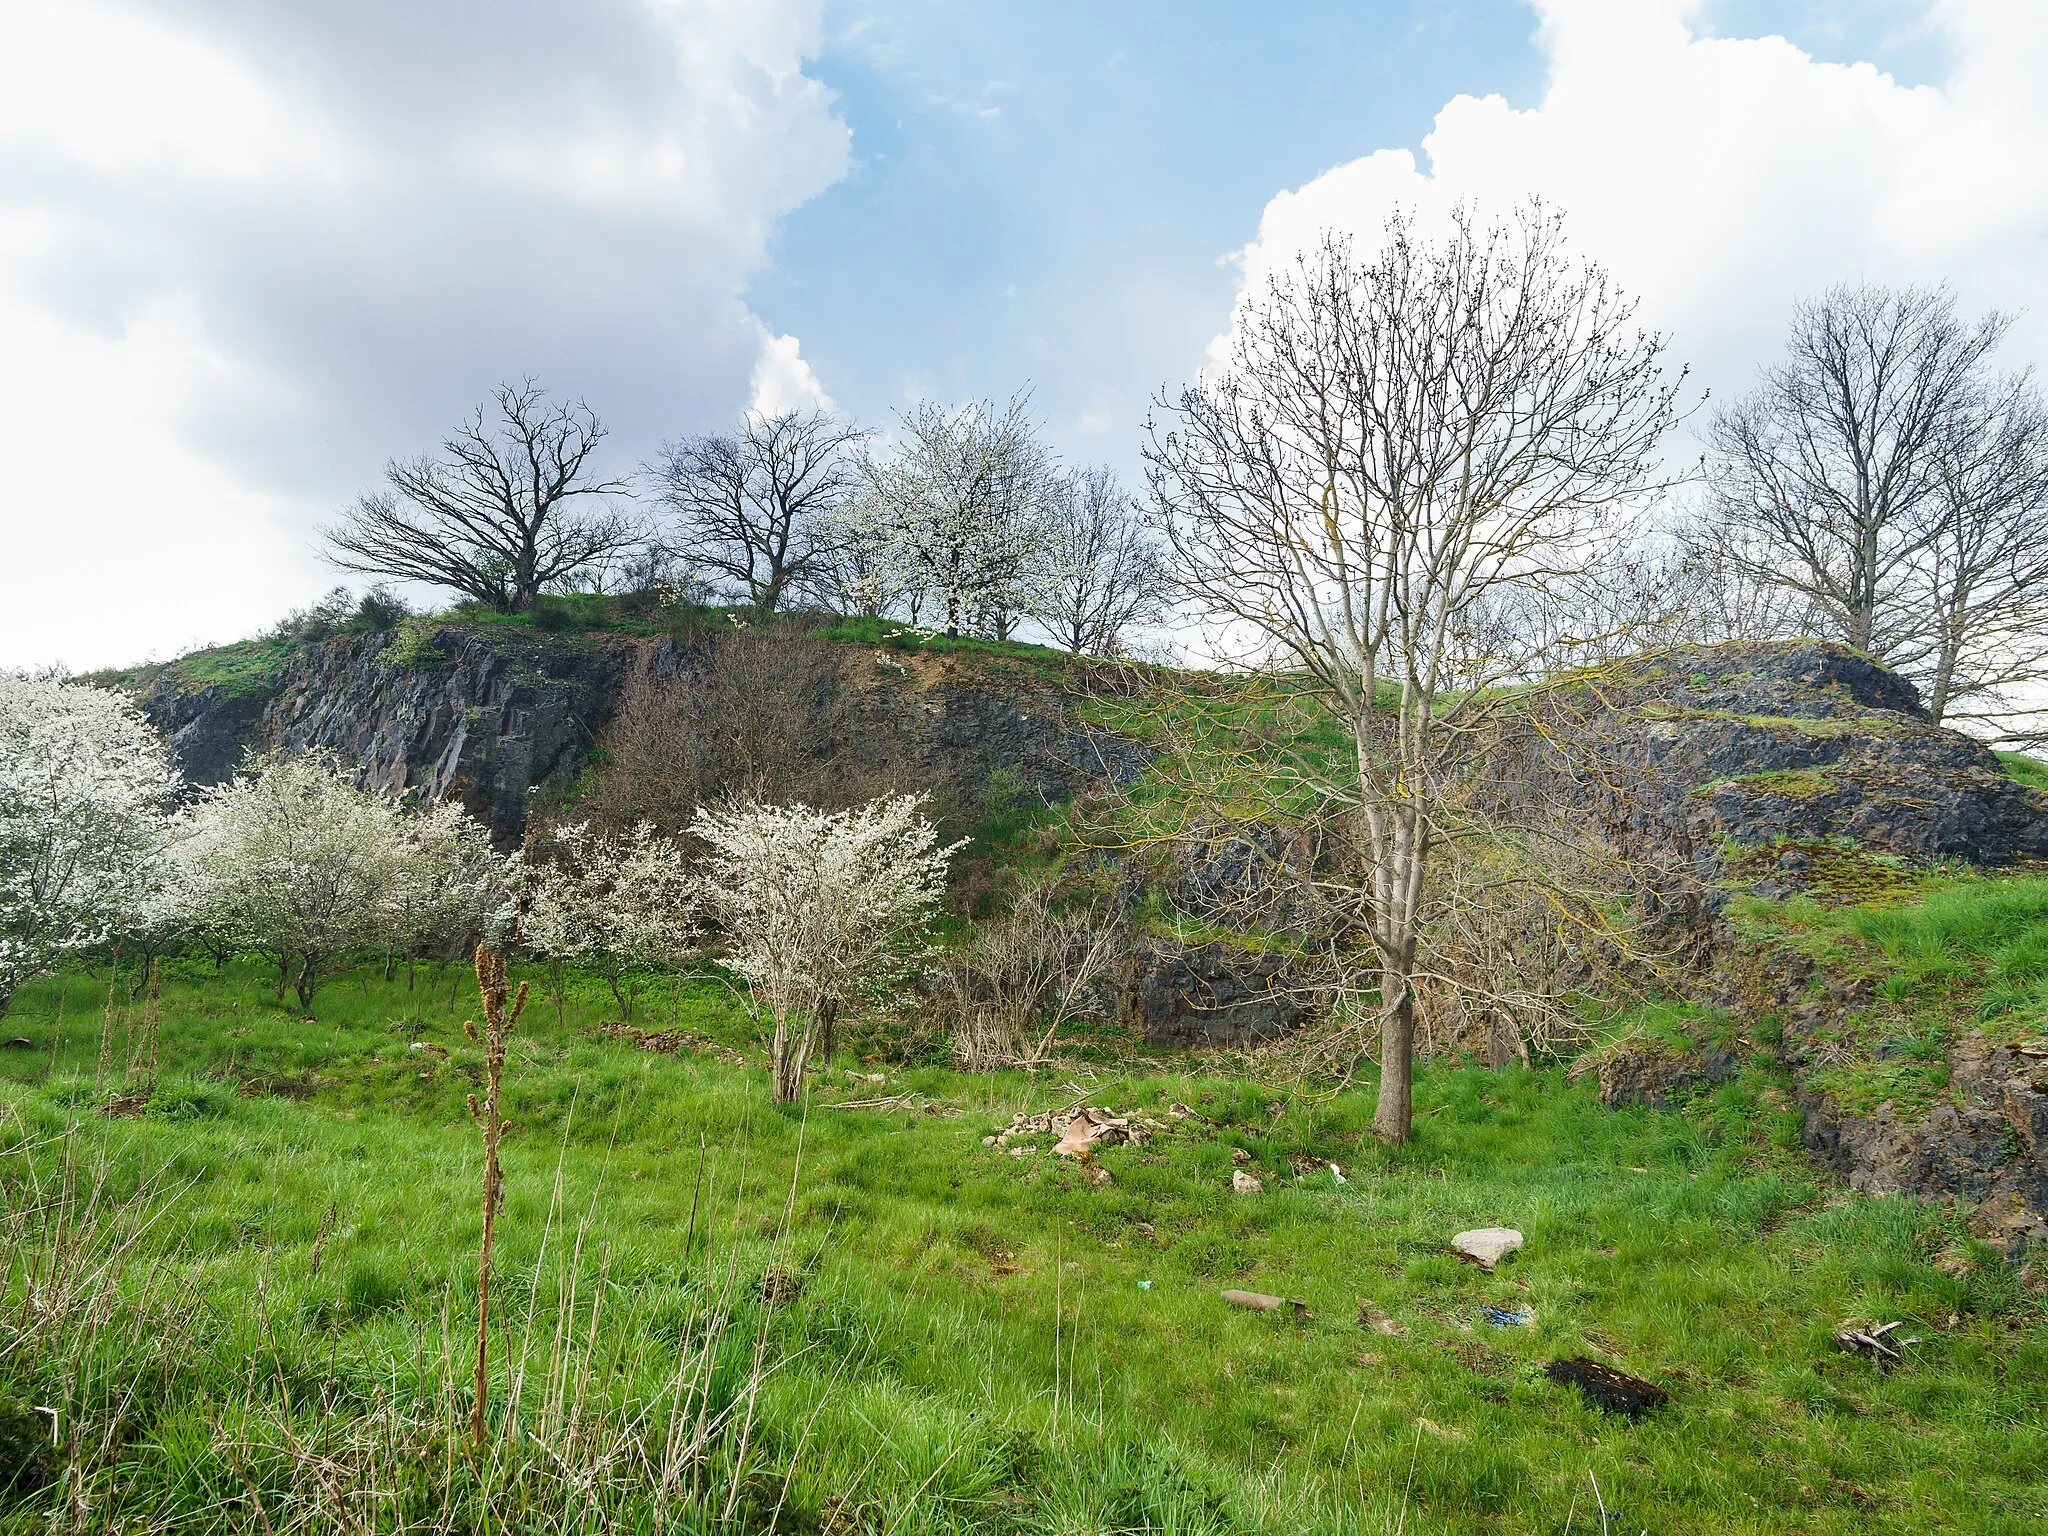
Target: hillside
{"points": [[864, 1316], [1748, 782]]}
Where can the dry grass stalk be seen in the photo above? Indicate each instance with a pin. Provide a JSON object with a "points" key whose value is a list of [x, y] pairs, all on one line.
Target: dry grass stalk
{"points": [[499, 1022]]}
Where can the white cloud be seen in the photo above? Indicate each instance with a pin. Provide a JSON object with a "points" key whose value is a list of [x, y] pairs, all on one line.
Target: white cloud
{"points": [[249, 253], [1722, 178], [783, 381]]}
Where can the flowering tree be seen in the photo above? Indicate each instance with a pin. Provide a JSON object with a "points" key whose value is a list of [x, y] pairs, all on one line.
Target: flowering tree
{"points": [[85, 788], [291, 859], [959, 512], [616, 899], [452, 889], [818, 906]]}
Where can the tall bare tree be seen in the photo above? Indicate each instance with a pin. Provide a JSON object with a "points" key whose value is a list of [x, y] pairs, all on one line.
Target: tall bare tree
{"points": [[1982, 580], [754, 506], [1397, 446], [1855, 466], [1105, 572], [511, 506], [958, 508]]}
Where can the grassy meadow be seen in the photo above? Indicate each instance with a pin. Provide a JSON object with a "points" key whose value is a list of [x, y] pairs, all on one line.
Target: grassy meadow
{"points": [[238, 1291]]}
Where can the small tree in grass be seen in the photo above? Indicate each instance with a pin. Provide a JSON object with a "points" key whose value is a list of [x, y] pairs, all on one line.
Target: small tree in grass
{"points": [[819, 906], [85, 788], [291, 859], [614, 899], [1402, 453]]}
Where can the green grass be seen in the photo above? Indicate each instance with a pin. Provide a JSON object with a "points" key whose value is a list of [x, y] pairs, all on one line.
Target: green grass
{"points": [[245, 667], [981, 1342], [1968, 955], [2030, 771]]}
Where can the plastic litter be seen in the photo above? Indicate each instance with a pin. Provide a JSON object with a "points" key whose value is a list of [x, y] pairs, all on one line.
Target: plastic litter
{"points": [[1503, 1317]]}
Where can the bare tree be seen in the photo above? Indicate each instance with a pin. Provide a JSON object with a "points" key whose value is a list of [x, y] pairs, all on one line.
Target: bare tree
{"points": [[1982, 580], [1834, 478], [1396, 447], [958, 510], [1104, 570], [752, 506], [510, 508]]}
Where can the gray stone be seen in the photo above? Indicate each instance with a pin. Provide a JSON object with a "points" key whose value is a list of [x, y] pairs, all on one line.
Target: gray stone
{"points": [[1487, 1246]]}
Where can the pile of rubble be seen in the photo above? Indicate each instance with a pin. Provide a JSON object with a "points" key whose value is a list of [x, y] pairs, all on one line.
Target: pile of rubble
{"points": [[1080, 1130]]}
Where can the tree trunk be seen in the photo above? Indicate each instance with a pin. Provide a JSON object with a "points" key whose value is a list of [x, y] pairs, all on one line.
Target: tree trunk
{"points": [[625, 1008], [284, 973], [828, 1028], [786, 1055], [307, 984], [1393, 1117]]}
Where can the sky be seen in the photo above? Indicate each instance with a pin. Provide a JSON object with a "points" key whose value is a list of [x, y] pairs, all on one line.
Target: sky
{"points": [[251, 251]]}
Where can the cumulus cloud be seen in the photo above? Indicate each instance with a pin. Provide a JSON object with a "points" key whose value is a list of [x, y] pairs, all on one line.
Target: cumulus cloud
{"points": [[1722, 178], [783, 381], [249, 251]]}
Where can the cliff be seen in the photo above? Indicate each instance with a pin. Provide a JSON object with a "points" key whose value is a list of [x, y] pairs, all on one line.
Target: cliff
{"points": [[494, 715]]}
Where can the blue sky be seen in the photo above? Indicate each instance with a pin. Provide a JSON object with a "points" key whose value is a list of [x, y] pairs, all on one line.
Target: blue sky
{"points": [[250, 249], [1050, 191]]}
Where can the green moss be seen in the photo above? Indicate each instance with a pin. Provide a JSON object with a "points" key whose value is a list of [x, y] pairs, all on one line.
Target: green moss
{"points": [[1791, 783]]}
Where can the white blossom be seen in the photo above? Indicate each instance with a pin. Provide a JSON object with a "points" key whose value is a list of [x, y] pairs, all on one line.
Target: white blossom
{"points": [[291, 859], [818, 906], [613, 899], [958, 514], [85, 788], [452, 888]]}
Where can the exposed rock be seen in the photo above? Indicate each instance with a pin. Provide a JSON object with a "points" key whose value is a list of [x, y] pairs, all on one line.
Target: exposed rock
{"points": [[1984, 1147], [487, 719], [491, 714], [1487, 1246], [1218, 994], [1244, 1183], [210, 729], [1653, 1077], [1749, 745]]}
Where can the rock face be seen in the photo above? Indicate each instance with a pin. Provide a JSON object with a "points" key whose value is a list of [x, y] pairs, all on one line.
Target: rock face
{"points": [[1984, 1145], [1216, 994], [1638, 1076], [208, 728], [1748, 746], [490, 715]]}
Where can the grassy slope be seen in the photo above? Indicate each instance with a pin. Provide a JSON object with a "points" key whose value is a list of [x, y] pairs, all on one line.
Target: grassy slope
{"points": [[916, 1384], [1945, 955]]}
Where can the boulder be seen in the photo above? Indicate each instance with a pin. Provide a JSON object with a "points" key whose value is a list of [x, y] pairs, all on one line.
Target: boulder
{"points": [[1487, 1246]]}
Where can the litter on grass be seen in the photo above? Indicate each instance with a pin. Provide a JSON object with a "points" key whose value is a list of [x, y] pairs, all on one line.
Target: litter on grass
{"points": [[1259, 1301], [1874, 1344], [1501, 1317], [1605, 1387], [1080, 1130]]}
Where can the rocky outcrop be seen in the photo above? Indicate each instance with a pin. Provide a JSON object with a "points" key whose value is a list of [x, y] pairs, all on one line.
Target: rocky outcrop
{"points": [[1983, 1141], [491, 715], [482, 718], [1711, 751], [210, 728], [1639, 1075], [1217, 993]]}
